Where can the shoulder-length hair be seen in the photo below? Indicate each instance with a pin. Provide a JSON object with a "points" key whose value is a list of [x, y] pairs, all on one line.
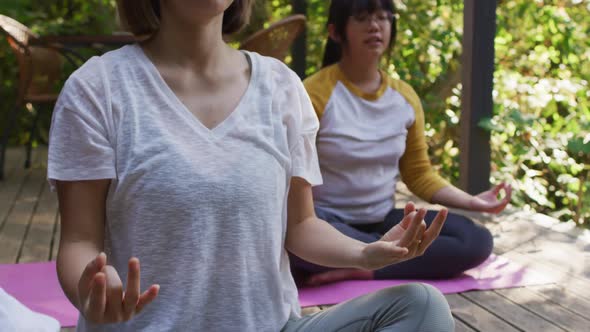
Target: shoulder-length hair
{"points": [[142, 17], [339, 13]]}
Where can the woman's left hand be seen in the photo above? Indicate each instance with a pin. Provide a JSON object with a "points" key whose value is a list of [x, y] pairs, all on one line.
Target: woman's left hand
{"points": [[406, 240], [488, 201]]}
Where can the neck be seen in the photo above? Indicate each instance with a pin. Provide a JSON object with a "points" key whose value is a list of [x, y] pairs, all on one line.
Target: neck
{"points": [[360, 72], [195, 44]]}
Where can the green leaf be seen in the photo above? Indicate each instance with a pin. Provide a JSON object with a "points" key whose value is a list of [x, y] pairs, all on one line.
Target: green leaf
{"points": [[489, 125], [579, 146]]}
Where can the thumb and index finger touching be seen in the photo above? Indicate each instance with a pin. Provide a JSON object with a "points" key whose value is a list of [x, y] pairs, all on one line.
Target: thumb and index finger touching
{"points": [[415, 226], [413, 223], [94, 290]]}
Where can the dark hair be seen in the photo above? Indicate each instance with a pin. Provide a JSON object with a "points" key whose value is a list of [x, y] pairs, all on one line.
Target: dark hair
{"points": [[142, 17], [339, 13]]}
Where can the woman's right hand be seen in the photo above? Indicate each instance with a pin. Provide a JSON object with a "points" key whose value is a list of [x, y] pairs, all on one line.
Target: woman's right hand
{"points": [[101, 295]]}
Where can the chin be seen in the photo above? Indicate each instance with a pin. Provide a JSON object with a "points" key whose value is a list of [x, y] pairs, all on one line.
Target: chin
{"points": [[374, 54], [201, 8], [218, 6]]}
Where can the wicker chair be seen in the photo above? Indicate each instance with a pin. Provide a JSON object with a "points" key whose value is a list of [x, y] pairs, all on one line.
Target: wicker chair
{"points": [[40, 68], [276, 40]]}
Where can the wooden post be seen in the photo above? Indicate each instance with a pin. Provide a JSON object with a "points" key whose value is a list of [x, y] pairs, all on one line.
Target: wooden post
{"points": [[479, 30], [299, 49]]}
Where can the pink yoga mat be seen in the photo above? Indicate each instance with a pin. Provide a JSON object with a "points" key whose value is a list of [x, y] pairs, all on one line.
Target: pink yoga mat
{"points": [[496, 272], [36, 286]]}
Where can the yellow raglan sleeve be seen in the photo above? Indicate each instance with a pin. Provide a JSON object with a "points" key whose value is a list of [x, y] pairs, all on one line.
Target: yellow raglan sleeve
{"points": [[415, 167], [319, 87]]}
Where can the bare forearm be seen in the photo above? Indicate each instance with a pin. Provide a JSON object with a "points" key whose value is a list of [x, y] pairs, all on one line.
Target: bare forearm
{"points": [[71, 261], [452, 196], [318, 242]]}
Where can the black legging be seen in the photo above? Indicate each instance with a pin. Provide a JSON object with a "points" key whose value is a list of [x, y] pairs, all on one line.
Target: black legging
{"points": [[461, 245]]}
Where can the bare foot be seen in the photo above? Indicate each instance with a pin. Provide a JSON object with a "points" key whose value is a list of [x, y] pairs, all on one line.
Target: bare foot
{"points": [[339, 275]]}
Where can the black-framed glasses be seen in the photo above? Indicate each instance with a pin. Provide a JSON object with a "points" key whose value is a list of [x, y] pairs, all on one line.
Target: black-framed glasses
{"points": [[381, 17]]}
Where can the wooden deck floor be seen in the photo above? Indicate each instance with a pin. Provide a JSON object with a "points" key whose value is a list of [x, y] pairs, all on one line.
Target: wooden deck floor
{"points": [[29, 232]]}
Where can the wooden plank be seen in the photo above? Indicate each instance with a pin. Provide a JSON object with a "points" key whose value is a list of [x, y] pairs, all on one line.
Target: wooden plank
{"points": [[516, 230], [561, 252], [15, 227], [575, 283], [15, 159], [37, 244], [526, 228], [479, 31], [564, 298], [541, 306], [11, 186], [511, 312], [522, 239], [475, 316], [462, 327], [310, 310]]}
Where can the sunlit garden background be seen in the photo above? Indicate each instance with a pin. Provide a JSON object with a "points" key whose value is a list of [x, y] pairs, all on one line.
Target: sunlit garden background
{"points": [[541, 125]]}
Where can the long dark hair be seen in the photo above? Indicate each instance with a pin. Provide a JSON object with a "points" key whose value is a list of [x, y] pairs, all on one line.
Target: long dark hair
{"points": [[341, 11]]}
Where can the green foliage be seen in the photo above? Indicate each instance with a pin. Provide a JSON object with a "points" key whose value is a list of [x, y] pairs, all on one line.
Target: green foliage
{"points": [[541, 118], [542, 105], [57, 17], [540, 130], [65, 16]]}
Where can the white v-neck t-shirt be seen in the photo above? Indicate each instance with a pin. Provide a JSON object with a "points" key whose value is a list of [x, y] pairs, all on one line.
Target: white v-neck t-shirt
{"points": [[204, 210]]}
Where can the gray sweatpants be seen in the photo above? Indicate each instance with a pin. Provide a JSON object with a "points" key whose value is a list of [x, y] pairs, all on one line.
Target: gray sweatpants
{"points": [[407, 308]]}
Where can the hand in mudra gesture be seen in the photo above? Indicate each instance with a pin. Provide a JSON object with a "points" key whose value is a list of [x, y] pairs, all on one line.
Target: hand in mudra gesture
{"points": [[488, 201], [406, 240], [101, 295]]}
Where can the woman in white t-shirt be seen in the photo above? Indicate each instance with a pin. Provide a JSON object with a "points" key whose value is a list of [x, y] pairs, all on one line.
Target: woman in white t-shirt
{"points": [[199, 160]]}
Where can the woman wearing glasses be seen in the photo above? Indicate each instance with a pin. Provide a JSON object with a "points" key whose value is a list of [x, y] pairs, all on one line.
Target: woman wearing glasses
{"points": [[371, 133]]}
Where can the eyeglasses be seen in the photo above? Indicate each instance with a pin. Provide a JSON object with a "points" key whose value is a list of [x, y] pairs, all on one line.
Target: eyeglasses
{"points": [[381, 17]]}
